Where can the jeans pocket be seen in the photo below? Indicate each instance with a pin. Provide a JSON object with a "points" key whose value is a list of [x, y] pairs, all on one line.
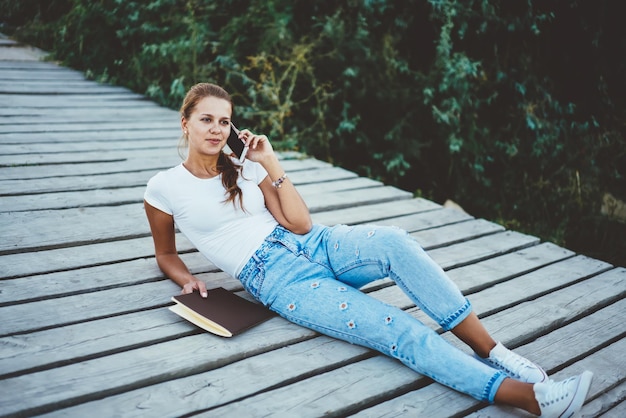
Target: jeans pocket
{"points": [[252, 280]]}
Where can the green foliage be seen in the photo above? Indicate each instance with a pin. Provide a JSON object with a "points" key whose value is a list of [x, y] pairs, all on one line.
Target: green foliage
{"points": [[513, 109]]}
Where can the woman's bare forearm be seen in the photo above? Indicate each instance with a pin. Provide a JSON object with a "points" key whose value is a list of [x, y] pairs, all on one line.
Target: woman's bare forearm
{"points": [[291, 207], [174, 268]]}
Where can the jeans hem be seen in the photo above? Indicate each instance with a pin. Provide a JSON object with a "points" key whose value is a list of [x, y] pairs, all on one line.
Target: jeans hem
{"points": [[493, 385], [457, 317]]}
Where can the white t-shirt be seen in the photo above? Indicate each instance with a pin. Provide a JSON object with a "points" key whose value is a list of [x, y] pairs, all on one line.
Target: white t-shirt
{"points": [[225, 234]]}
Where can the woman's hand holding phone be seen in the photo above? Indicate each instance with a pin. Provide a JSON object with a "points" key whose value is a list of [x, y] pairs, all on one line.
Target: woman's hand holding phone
{"points": [[236, 144]]}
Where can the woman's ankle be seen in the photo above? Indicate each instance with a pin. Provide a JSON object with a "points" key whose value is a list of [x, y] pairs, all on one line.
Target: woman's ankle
{"points": [[518, 394]]}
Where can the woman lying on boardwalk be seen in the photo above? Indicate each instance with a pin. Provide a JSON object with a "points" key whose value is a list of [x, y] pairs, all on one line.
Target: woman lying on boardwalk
{"points": [[250, 221]]}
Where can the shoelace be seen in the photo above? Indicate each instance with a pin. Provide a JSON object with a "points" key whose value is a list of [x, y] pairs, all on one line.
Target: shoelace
{"points": [[513, 364], [557, 392]]}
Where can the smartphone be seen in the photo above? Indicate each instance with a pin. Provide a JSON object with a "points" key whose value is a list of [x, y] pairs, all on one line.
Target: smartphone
{"points": [[235, 144]]}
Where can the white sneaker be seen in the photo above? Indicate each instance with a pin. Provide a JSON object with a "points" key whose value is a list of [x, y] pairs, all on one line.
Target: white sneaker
{"points": [[514, 365], [562, 399]]}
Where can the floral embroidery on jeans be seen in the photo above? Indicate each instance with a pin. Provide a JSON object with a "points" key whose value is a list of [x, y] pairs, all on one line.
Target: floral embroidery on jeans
{"points": [[291, 306], [315, 285], [388, 320], [342, 289], [351, 324], [343, 306], [371, 234]]}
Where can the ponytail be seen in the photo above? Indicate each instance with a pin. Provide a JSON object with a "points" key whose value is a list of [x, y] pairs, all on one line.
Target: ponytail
{"points": [[230, 173]]}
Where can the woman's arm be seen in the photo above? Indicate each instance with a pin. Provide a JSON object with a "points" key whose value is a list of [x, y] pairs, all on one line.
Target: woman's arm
{"points": [[284, 202], [164, 237]]}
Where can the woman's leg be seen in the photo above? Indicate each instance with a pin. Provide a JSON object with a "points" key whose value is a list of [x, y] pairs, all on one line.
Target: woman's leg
{"points": [[340, 311], [287, 276], [291, 276], [364, 253], [518, 394], [472, 332]]}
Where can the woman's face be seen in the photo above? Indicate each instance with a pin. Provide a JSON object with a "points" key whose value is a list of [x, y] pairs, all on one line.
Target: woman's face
{"points": [[208, 126]]}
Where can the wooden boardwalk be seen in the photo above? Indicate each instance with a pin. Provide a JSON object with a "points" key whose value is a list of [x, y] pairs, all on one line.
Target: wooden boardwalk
{"points": [[84, 325]]}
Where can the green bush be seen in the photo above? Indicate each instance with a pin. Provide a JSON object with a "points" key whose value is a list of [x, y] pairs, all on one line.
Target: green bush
{"points": [[513, 109]]}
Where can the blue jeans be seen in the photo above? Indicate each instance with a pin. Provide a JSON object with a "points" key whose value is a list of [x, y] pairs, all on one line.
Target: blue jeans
{"points": [[313, 280]]}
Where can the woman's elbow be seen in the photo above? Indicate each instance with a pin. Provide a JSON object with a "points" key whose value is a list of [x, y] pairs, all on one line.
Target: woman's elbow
{"points": [[306, 228], [301, 228]]}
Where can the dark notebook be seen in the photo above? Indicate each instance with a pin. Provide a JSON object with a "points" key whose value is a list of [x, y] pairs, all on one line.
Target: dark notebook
{"points": [[222, 312]]}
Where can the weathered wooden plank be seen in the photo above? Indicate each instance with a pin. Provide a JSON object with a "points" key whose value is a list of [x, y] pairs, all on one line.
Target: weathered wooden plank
{"points": [[608, 365], [18, 265], [67, 200], [26, 353], [29, 231], [25, 114], [337, 393], [91, 254], [77, 341], [609, 404], [605, 323], [92, 279], [94, 137], [121, 273], [578, 338], [481, 248], [38, 127], [115, 193], [84, 157], [437, 401], [32, 65], [74, 308], [536, 317], [55, 312], [48, 229], [114, 177], [36, 83], [540, 282], [415, 221], [124, 99], [374, 212], [95, 378], [200, 392], [332, 201], [82, 307], [433, 400], [166, 141], [571, 313], [262, 404], [450, 234], [20, 177], [50, 73], [91, 88], [483, 274], [46, 261], [520, 289]]}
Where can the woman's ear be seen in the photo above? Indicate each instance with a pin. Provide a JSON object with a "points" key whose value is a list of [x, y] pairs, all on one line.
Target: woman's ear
{"points": [[183, 124]]}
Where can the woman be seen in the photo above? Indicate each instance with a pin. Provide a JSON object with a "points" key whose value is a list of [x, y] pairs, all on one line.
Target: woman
{"points": [[250, 221]]}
